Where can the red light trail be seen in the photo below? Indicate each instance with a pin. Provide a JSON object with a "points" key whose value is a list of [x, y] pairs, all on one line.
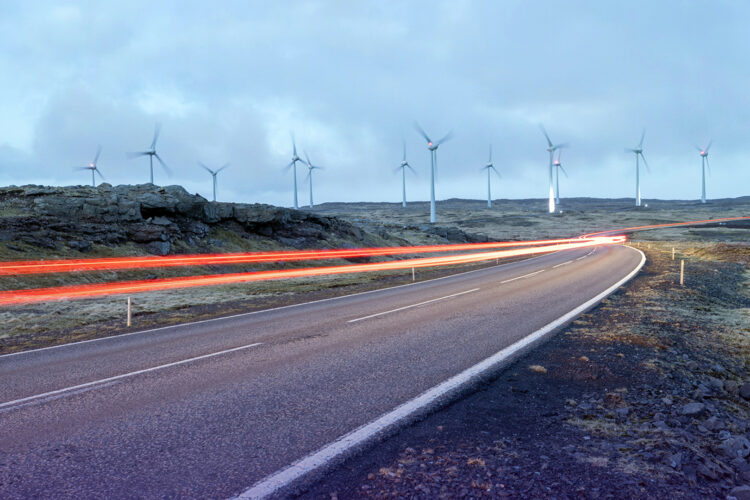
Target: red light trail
{"points": [[657, 226], [502, 250], [15, 297], [114, 263]]}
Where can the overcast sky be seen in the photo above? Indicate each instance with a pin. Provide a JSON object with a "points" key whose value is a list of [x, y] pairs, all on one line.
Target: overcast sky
{"points": [[229, 81]]}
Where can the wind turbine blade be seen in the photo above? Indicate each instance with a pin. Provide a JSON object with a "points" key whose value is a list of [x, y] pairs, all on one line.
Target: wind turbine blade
{"points": [[203, 165], [96, 170], [294, 143], [157, 131], [645, 163], [562, 145], [643, 135], [544, 131], [708, 166], [81, 168], [222, 167], [398, 168], [164, 165], [422, 132], [490, 153], [286, 168], [709, 145], [404, 151], [130, 156], [98, 152], [447, 137], [498, 173], [308, 159], [563, 170], [412, 170]]}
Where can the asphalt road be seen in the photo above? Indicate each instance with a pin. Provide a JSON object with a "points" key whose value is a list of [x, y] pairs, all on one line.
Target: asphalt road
{"points": [[268, 387]]}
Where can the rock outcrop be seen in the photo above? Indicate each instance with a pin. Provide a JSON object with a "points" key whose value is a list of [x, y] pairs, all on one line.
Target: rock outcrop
{"points": [[157, 219]]}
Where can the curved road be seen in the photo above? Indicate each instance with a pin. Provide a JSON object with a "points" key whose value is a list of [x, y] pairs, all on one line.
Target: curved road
{"points": [[210, 408]]}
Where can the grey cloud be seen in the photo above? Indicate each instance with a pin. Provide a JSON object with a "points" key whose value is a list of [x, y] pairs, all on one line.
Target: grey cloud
{"points": [[230, 81]]}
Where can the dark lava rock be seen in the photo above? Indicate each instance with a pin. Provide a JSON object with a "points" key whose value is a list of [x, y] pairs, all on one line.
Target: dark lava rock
{"points": [[146, 214], [740, 493], [693, 409], [745, 390]]}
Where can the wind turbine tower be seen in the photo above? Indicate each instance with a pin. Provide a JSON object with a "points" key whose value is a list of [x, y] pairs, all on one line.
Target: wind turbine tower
{"points": [[551, 148], [310, 168], [432, 146], [213, 174], [93, 167], [704, 165], [558, 167], [638, 151], [293, 166], [404, 165], [151, 153], [489, 168]]}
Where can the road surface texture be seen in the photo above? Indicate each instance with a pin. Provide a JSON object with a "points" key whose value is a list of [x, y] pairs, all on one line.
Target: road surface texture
{"points": [[210, 408]]}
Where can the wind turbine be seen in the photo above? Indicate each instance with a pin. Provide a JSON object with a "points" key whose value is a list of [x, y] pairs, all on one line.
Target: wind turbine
{"points": [[93, 167], [704, 164], [490, 167], [551, 148], [293, 166], [151, 153], [213, 174], [404, 165], [638, 151], [558, 167], [432, 146], [310, 168]]}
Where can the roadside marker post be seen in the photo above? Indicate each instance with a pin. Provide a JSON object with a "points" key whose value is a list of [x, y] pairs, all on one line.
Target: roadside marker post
{"points": [[672, 253], [682, 272], [413, 277], [130, 308]]}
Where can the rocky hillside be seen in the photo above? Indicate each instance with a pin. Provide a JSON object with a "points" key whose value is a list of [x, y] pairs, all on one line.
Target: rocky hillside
{"points": [[160, 220]]}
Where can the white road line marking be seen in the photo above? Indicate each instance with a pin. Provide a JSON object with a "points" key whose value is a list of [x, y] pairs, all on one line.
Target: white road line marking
{"points": [[260, 311], [412, 305], [358, 437], [582, 257], [521, 277], [57, 396], [563, 264], [122, 376]]}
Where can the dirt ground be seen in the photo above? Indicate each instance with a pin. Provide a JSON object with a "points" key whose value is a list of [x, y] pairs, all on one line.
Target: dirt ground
{"points": [[645, 396]]}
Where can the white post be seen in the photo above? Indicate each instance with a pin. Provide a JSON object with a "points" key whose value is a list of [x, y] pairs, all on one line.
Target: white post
{"points": [[130, 308], [413, 277], [682, 272], [672, 253]]}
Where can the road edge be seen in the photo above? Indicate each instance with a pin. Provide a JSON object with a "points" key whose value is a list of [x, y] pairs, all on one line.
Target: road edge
{"points": [[316, 463]]}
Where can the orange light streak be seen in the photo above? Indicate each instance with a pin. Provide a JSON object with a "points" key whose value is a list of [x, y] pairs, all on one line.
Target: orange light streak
{"points": [[113, 263], [15, 297], [671, 224]]}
